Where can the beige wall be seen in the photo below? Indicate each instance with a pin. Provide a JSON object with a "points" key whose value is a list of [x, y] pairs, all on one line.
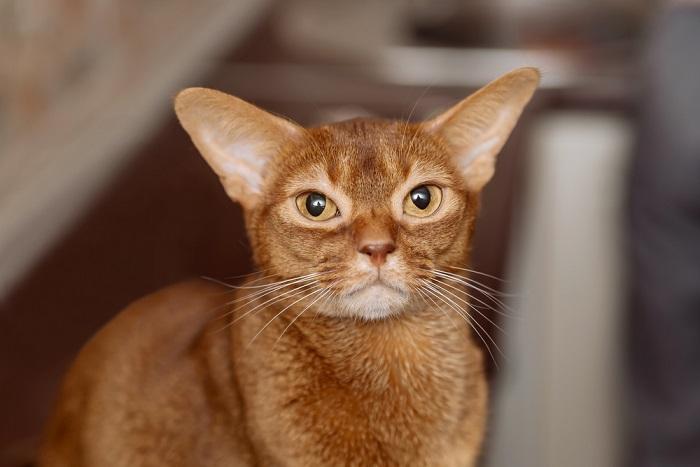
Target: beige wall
{"points": [[557, 403]]}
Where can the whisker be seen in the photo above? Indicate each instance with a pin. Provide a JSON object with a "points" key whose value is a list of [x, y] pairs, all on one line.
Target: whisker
{"points": [[459, 312], [232, 289], [276, 298], [271, 301], [437, 288], [489, 290], [261, 278], [471, 280], [464, 281], [498, 303], [407, 122], [449, 301], [216, 281], [474, 271], [473, 283], [228, 286], [328, 300], [406, 150], [298, 284], [274, 286], [317, 290], [313, 274], [326, 291], [424, 295], [331, 295], [241, 276], [251, 297], [421, 294], [441, 285]]}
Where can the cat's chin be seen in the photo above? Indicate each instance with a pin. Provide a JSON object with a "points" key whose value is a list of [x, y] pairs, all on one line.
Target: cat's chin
{"points": [[375, 301]]}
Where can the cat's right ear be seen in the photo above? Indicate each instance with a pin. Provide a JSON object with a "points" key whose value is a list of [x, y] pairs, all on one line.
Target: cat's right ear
{"points": [[477, 128], [237, 139]]}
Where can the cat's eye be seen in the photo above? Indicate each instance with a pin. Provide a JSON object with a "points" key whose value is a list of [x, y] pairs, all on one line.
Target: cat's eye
{"points": [[316, 206], [422, 201]]}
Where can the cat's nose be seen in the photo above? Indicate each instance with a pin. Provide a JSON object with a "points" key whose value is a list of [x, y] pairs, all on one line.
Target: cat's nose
{"points": [[378, 251]]}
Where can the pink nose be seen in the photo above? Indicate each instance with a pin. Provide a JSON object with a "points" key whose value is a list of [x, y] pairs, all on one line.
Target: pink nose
{"points": [[378, 252]]}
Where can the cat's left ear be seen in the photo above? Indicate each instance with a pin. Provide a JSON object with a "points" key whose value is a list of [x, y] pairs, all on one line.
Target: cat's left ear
{"points": [[477, 128], [237, 139]]}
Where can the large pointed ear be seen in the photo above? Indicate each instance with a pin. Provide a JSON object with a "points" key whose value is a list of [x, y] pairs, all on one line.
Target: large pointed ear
{"points": [[477, 128], [237, 139]]}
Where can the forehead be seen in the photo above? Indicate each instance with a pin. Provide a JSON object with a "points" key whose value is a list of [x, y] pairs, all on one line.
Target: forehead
{"points": [[367, 158]]}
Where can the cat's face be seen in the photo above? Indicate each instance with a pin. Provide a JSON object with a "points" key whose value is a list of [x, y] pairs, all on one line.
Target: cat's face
{"points": [[365, 208], [372, 205]]}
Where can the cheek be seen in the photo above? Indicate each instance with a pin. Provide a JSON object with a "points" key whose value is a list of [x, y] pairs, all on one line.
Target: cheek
{"points": [[432, 240], [295, 249]]}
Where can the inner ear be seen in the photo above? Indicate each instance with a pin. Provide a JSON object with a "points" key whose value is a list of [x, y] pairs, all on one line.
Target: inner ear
{"points": [[477, 128], [237, 139]]}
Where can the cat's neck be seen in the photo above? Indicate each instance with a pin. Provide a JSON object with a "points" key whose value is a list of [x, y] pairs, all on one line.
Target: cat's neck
{"points": [[409, 346], [410, 379], [369, 353]]}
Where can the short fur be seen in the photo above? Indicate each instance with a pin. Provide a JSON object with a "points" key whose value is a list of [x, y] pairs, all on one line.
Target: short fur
{"points": [[367, 368]]}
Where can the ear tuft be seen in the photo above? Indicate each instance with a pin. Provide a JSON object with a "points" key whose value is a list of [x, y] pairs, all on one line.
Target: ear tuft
{"points": [[237, 139], [477, 128]]}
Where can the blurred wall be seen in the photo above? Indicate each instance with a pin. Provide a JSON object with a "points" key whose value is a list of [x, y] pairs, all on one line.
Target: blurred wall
{"points": [[558, 402]]}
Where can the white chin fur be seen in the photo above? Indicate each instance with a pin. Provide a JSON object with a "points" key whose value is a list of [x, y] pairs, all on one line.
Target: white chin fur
{"points": [[374, 302]]}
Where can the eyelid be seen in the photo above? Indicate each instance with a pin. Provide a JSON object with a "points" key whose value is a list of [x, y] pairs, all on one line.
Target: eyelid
{"points": [[438, 183]]}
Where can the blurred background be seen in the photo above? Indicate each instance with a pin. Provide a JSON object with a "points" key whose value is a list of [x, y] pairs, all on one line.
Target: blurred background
{"points": [[590, 225]]}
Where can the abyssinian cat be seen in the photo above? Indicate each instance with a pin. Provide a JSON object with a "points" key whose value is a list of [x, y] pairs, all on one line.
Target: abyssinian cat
{"points": [[347, 347]]}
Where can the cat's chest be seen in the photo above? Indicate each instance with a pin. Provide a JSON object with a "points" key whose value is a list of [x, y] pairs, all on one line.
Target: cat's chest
{"points": [[406, 404], [384, 398], [414, 391]]}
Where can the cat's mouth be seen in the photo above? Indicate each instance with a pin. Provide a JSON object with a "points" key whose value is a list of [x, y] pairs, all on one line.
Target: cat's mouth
{"points": [[375, 299], [375, 285]]}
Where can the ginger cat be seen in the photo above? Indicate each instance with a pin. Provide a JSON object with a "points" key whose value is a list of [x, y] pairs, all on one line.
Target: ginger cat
{"points": [[348, 347]]}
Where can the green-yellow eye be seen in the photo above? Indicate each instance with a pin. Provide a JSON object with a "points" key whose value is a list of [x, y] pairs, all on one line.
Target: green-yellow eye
{"points": [[422, 201], [316, 206]]}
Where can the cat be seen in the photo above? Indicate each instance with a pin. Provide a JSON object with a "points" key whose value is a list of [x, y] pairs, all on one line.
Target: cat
{"points": [[348, 346]]}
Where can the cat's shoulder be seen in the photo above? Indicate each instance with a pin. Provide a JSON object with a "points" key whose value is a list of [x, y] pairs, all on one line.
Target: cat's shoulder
{"points": [[142, 367], [174, 306], [156, 328]]}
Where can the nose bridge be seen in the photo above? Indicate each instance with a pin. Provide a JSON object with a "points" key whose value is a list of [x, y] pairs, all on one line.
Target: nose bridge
{"points": [[374, 236], [374, 228]]}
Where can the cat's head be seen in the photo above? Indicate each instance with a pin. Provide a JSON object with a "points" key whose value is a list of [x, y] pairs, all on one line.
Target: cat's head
{"points": [[367, 207]]}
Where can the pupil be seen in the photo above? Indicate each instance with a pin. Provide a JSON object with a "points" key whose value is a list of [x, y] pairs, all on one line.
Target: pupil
{"points": [[315, 204], [420, 197]]}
